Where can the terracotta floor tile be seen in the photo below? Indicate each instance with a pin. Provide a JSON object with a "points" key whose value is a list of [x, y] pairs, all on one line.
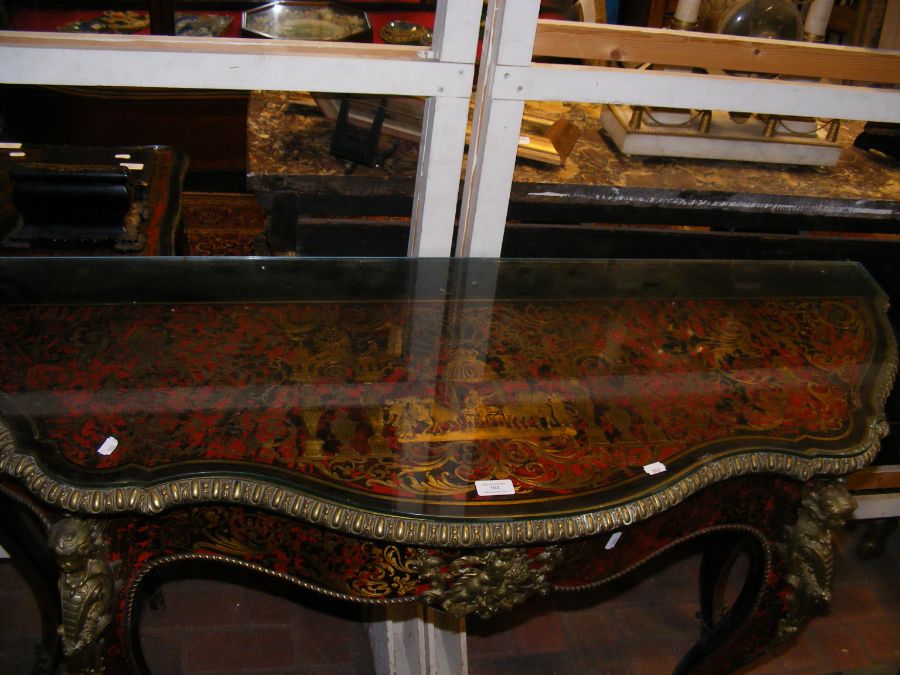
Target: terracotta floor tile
{"points": [[654, 659], [881, 638], [852, 602], [553, 663], [194, 602], [16, 655], [328, 638], [800, 656], [217, 651], [18, 614], [258, 608], [8, 574], [644, 627], [542, 631], [597, 630], [163, 652], [840, 645], [493, 637]]}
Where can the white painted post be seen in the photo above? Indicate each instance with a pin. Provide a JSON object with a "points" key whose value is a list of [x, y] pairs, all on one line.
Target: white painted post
{"points": [[415, 640], [456, 27], [508, 41], [443, 135], [437, 177]]}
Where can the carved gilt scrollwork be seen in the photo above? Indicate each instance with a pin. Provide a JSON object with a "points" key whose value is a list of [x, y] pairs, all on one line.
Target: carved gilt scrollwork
{"points": [[807, 548], [87, 590], [485, 582]]}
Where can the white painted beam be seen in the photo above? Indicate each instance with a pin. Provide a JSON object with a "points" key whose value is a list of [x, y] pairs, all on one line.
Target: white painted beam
{"points": [[546, 82], [886, 505], [415, 640], [232, 64]]}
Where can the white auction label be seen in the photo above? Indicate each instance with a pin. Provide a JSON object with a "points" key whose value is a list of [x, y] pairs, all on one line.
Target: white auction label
{"points": [[613, 540], [7, 145], [655, 468], [486, 488], [524, 140], [123, 156], [132, 166], [107, 447]]}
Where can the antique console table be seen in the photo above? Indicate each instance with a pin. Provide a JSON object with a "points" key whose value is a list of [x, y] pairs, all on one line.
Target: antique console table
{"points": [[461, 433]]}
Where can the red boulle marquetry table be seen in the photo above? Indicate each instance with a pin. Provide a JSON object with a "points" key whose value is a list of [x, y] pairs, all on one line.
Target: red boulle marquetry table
{"points": [[464, 434]]}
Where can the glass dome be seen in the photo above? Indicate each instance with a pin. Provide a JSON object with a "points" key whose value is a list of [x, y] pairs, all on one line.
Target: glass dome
{"points": [[777, 19]]}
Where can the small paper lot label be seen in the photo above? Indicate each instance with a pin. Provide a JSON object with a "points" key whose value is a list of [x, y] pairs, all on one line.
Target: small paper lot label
{"points": [[487, 488], [655, 468], [613, 540], [107, 447]]}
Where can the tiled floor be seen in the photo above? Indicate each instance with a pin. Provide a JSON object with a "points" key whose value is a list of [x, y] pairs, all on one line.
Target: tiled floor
{"points": [[213, 627]]}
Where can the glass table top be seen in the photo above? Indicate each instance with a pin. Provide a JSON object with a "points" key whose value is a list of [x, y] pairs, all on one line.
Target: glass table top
{"points": [[398, 386]]}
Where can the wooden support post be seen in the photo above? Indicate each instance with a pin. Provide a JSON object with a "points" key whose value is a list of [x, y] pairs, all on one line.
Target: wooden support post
{"points": [[508, 41], [416, 640], [437, 177], [444, 133]]}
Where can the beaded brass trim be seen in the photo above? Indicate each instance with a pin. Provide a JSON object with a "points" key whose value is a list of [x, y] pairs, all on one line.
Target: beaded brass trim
{"points": [[421, 531]]}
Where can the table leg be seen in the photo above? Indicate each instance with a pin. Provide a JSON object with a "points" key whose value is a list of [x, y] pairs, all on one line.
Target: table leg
{"points": [[722, 625], [23, 535], [716, 567], [87, 592], [788, 581], [411, 639]]}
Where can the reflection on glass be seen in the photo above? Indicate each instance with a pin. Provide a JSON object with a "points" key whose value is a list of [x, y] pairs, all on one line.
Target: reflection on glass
{"points": [[404, 382], [307, 21]]}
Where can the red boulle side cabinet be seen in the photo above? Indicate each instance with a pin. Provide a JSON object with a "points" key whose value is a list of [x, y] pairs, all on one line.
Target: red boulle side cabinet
{"points": [[462, 433]]}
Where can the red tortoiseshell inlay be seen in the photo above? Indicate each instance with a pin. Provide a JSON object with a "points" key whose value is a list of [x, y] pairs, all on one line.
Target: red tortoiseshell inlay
{"points": [[420, 399]]}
